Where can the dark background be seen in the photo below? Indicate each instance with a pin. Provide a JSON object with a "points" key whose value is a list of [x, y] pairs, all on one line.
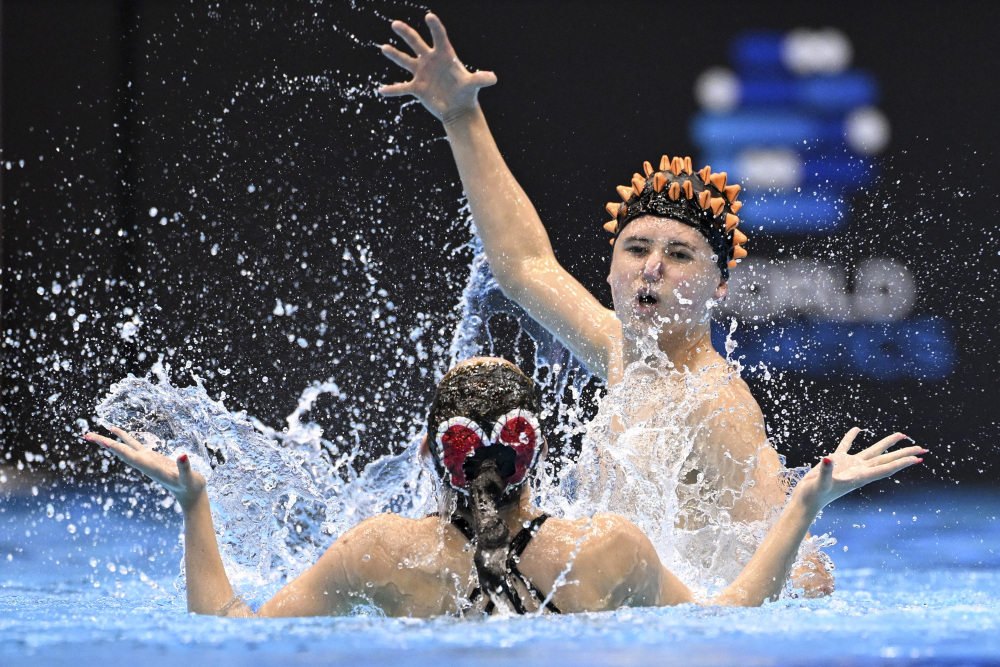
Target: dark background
{"points": [[254, 131]]}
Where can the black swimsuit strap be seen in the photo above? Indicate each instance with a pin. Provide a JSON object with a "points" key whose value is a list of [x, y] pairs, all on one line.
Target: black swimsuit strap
{"points": [[517, 547], [459, 522], [520, 541]]}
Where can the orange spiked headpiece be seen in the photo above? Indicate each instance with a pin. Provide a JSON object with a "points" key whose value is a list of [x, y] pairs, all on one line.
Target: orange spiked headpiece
{"points": [[701, 199]]}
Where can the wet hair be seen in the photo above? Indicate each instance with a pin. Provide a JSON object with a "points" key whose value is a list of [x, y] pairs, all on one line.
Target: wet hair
{"points": [[700, 199], [483, 392]]}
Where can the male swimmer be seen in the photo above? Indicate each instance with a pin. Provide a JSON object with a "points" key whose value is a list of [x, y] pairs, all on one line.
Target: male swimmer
{"points": [[676, 238], [495, 551]]}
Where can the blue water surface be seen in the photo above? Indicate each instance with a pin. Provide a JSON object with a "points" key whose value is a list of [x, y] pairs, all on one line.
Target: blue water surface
{"points": [[918, 582]]}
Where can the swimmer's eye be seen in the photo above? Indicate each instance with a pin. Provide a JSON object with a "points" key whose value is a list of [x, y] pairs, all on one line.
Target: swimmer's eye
{"points": [[681, 255], [636, 249]]}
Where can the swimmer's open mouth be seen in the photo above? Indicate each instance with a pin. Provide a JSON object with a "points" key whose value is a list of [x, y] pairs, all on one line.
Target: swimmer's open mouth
{"points": [[646, 298]]}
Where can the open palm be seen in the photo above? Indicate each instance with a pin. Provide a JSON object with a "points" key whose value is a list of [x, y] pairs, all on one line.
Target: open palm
{"points": [[440, 82], [840, 473], [176, 476]]}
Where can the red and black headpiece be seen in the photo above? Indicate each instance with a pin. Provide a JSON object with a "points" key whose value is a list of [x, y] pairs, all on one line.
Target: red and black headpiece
{"points": [[485, 411], [514, 442]]}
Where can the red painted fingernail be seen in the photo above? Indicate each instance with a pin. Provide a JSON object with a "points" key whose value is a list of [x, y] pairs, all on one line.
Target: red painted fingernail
{"points": [[827, 461], [183, 458], [920, 460]]}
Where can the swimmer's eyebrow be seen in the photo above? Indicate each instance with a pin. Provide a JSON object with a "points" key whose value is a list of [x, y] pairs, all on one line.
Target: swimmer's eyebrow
{"points": [[643, 239]]}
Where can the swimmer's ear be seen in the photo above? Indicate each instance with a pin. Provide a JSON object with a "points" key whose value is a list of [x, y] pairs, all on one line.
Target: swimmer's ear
{"points": [[424, 449]]}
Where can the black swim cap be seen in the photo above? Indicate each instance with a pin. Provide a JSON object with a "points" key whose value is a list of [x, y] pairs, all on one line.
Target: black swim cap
{"points": [[701, 199]]}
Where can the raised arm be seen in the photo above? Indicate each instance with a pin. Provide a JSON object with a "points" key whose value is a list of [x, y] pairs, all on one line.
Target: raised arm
{"points": [[513, 236], [838, 474]]}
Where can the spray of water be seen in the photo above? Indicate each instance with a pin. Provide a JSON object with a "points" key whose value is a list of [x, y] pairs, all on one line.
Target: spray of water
{"points": [[300, 490], [295, 485]]}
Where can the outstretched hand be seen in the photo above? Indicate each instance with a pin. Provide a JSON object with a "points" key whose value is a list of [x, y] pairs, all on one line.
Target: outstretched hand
{"points": [[840, 473], [176, 476], [440, 82]]}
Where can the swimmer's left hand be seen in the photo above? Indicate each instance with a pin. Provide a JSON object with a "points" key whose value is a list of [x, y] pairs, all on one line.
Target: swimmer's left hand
{"points": [[840, 473]]}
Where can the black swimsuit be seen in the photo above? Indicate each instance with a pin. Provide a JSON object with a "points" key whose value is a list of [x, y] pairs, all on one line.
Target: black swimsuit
{"points": [[517, 547]]}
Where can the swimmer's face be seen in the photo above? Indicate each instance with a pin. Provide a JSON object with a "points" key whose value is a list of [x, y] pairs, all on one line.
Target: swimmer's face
{"points": [[663, 272]]}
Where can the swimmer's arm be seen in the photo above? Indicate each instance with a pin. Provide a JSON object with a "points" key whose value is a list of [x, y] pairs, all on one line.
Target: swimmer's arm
{"points": [[519, 252], [838, 474], [746, 439], [516, 243], [331, 587], [208, 587]]}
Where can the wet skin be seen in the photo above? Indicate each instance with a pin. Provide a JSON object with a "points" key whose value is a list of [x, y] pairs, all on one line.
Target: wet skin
{"points": [[663, 279], [420, 567]]}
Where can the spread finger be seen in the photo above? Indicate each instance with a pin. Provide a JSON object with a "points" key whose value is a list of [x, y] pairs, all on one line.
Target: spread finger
{"points": [[407, 62], [126, 438], [439, 37], [848, 440], [898, 454], [411, 37], [882, 445], [395, 90]]}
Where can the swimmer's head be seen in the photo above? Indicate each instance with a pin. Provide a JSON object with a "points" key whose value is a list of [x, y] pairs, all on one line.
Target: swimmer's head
{"points": [[485, 441], [700, 199], [485, 416]]}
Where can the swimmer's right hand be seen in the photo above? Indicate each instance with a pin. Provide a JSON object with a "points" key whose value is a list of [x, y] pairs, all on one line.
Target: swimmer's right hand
{"points": [[177, 476], [440, 81]]}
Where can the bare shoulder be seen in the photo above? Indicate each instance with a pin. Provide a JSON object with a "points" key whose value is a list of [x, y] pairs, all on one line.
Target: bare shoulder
{"points": [[562, 541], [603, 561], [730, 423], [364, 537], [595, 530], [730, 400], [392, 531], [404, 566]]}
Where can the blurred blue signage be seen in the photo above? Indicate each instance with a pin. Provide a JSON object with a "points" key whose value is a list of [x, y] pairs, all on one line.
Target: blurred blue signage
{"points": [[801, 131]]}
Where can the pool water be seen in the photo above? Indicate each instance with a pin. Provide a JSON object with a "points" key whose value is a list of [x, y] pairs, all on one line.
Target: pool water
{"points": [[918, 582]]}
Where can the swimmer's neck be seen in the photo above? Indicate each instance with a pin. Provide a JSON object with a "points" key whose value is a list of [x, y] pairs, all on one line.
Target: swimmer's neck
{"points": [[690, 349], [514, 515]]}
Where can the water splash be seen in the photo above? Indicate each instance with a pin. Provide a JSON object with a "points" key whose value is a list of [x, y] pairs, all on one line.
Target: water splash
{"points": [[279, 499], [638, 458]]}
